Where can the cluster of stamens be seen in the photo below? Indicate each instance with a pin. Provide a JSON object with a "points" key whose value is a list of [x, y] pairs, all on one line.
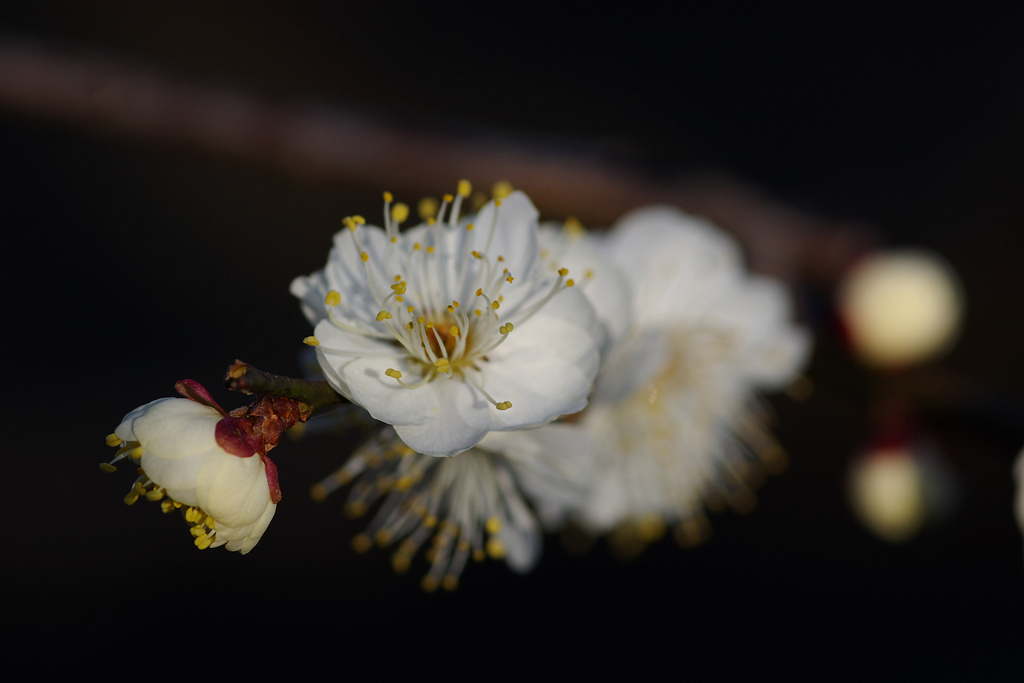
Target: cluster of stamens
{"points": [[446, 338], [202, 525], [449, 502]]}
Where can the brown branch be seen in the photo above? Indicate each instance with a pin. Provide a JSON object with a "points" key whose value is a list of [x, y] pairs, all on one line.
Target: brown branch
{"points": [[102, 93], [313, 396]]}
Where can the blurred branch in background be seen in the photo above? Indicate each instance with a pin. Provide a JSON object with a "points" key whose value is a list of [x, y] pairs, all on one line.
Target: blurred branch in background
{"points": [[115, 96]]}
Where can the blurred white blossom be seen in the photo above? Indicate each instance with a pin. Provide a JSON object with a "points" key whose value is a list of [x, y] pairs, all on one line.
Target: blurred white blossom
{"points": [[675, 416], [487, 501]]}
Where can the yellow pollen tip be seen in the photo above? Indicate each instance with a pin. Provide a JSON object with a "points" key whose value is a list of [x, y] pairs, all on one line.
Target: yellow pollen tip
{"points": [[429, 583], [359, 220], [416, 247], [430, 250], [113, 440], [136, 453], [408, 326], [365, 257], [361, 543], [318, 493], [388, 197], [476, 254], [455, 304], [497, 202], [506, 328], [349, 223], [493, 525], [422, 320], [311, 341], [399, 212], [480, 292], [453, 330], [451, 309], [427, 208], [430, 221], [131, 498], [477, 311], [570, 282], [504, 405], [500, 258], [412, 308], [495, 305], [450, 582], [501, 189], [107, 467], [563, 271], [333, 298], [469, 227], [495, 549], [588, 273], [391, 372], [384, 315], [448, 198], [465, 188], [399, 299], [441, 363], [509, 279]]}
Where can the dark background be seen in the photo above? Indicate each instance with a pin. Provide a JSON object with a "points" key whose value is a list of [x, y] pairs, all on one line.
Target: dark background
{"points": [[129, 265]]}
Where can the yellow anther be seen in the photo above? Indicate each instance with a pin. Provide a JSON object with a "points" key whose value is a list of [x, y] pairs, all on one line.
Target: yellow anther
{"points": [[137, 487], [570, 282], [427, 208], [479, 292], [451, 309], [197, 531], [210, 521], [311, 341], [453, 330], [155, 494], [136, 453], [408, 326], [588, 273], [113, 440], [400, 563], [383, 537], [429, 583], [465, 188], [495, 305], [388, 197], [203, 542], [399, 212], [497, 202], [495, 548], [333, 298], [399, 287], [448, 198], [479, 555], [349, 223], [365, 257], [391, 372], [107, 467], [441, 363], [394, 240], [431, 221], [509, 279], [476, 254], [430, 521], [573, 227], [477, 311], [450, 582], [411, 309], [506, 328], [416, 246], [504, 405], [318, 492], [455, 304], [563, 271], [493, 525], [359, 220], [431, 250], [399, 299], [131, 498], [469, 226], [361, 543], [422, 320], [384, 315], [403, 483], [166, 506], [501, 259], [501, 189]]}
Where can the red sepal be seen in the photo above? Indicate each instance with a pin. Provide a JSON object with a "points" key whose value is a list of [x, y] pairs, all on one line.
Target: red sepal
{"points": [[194, 391]]}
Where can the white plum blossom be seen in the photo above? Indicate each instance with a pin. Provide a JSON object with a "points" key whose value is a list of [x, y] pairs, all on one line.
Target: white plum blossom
{"points": [[489, 501], [674, 414], [194, 458], [453, 328]]}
